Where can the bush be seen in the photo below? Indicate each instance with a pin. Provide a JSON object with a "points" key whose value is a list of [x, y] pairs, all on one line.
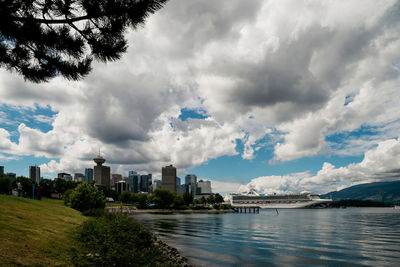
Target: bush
{"points": [[4, 184], [163, 198], [85, 197], [125, 197], [94, 212], [115, 240]]}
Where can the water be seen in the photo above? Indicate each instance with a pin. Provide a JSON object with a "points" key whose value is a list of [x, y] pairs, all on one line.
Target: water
{"points": [[300, 237]]}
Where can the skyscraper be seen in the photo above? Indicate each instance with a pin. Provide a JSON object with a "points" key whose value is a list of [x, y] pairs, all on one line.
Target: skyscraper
{"points": [[1, 169], [115, 177], [204, 186], [169, 178], [34, 173], [101, 173], [133, 181], [191, 183], [89, 175], [145, 183], [79, 177]]}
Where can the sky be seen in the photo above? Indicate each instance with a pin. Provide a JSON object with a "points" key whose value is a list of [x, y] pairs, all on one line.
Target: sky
{"points": [[276, 96]]}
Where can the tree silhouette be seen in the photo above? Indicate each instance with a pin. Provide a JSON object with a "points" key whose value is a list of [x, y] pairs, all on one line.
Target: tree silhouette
{"points": [[42, 39]]}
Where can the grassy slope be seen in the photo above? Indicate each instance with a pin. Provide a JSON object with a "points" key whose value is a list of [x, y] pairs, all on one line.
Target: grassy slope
{"points": [[36, 232]]}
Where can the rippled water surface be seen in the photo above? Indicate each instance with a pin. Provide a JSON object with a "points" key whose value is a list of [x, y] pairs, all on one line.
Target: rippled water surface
{"points": [[301, 237]]}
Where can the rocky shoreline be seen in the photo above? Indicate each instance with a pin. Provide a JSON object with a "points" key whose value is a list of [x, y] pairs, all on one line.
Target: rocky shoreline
{"points": [[173, 254]]}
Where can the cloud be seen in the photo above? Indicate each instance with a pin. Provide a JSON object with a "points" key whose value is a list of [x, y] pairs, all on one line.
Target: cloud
{"points": [[379, 164], [281, 75]]}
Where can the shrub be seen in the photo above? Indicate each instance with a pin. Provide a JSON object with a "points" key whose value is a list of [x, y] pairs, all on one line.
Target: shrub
{"points": [[85, 197], [94, 212], [115, 240], [4, 184], [125, 197]]}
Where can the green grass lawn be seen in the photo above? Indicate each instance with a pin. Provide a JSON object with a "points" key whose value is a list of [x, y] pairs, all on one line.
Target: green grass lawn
{"points": [[36, 232]]}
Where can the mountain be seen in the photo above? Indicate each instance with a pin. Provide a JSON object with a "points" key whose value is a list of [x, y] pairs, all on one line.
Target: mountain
{"points": [[379, 191]]}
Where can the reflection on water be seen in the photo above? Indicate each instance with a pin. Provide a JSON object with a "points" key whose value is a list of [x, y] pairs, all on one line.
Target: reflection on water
{"points": [[362, 236]]}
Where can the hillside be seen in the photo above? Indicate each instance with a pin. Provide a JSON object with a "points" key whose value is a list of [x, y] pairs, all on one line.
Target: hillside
{"points": [[36, 232], [379, 191]]}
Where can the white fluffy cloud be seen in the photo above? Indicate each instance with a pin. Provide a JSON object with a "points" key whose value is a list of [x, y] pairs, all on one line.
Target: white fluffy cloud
{"points": [[379, 164], [291, 72]]}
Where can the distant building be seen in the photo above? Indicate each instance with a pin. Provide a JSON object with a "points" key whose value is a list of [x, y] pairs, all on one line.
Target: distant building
{"points": [[156, 184], [101, 173], [115, 178], [79, 177], [34, 173], [204, 187], [169, 178], [191, 183], [121, 186], [133, 181], [11, 175], [145, 183], [65, 176], [89, 175], [1, 169]]}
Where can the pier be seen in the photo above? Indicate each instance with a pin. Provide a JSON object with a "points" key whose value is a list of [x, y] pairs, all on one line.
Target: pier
{"points": [[246, 209]]}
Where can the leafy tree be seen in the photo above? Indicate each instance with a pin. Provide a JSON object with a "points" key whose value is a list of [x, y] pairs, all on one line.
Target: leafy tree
{"points": [[27, 185], [41, 39], [218, 198], [211, 199], [125, 197], [142, 200], [163, 198], [5, 185], [61, 185], [47, 187], [85, 197], [187, 198], [178, 201]]}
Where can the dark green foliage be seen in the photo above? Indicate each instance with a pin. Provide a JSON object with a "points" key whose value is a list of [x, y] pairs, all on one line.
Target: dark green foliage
{"points": [[108, 192], [125, 197], [44, 39], [5, 184], [211, 199], [67, 197], [60, 185], [47, 187], [162, 198], [187, 198], [358, 203], [94, 212], [218, 198], [115, 240], [27, 185], [85, 197], [142, 201]]}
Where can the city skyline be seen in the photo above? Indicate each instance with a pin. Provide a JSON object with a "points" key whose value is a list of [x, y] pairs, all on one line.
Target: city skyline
{"points": [[255, 95]]}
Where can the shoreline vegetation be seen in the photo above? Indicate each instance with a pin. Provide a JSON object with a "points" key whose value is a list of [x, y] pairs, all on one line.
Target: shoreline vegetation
{"points": [[48, 233]]}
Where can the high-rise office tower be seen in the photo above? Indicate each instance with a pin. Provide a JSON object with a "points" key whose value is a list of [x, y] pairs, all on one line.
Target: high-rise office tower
{"points": [[191, 183], [204, 186], [169, 178], [89, 175], [133, 181], [101, 173], [145, 183], [34, 173], [1, 169]]}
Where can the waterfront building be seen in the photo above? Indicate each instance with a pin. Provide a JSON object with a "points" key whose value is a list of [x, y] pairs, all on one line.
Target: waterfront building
{"points": [[101, 173], [156, 184], [89, 175], [115, 177], [11, 175], [191, 183], [168, 178], [204, 187], [1, 169], [121, 186], [79, 177], [34, 173]]}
